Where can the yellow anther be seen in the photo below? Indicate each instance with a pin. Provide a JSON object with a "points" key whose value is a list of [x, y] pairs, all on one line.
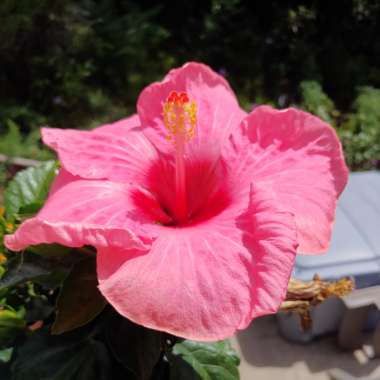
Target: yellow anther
{"points": [[180, 115]]}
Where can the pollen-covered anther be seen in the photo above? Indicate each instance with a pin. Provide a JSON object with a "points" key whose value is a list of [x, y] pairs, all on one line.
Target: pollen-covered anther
{"points": [[180, 115]]}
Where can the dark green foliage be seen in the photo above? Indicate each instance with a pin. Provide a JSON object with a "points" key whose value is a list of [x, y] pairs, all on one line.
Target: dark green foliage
{"points": [[12, 323], [70, 60], [77, 308], [79, 63], [137, 348], [28, 266], [77, 356]]}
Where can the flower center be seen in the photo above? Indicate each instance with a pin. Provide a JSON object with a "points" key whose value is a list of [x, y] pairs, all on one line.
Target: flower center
{"points": [[180, 119]]}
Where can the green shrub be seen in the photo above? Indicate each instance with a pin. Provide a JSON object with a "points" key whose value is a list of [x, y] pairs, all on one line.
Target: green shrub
{"points": [[80, 63], [316, 101], [57, 57], [13, 143], [360, 132]]}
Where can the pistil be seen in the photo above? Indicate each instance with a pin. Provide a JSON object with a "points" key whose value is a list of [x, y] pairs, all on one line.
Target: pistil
{"points": [[180, 179], [180, 120]]}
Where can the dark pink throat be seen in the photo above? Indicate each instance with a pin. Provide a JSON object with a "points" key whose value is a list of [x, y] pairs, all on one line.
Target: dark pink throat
{"points": [[206, 193]]}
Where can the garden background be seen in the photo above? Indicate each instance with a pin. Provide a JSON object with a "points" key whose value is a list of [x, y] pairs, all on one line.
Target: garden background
{"points": [[76, 64]]}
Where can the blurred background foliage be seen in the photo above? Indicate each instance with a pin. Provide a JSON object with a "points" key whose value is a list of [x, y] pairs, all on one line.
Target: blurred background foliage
{"points": [[78, 63]]}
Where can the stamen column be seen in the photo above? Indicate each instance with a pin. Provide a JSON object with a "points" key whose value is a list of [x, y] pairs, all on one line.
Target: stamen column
{"points": [[180, 120]]}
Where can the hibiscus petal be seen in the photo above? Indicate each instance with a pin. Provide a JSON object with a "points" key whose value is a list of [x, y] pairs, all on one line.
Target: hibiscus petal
{"points": [[85, 212], [218, 109], [118, 152], [301, 158], [207, 281], [120, 126]]}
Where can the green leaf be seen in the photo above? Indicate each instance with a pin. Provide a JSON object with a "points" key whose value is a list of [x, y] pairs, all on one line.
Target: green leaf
{"points": [[29, 266], [137, 348], [38, 308], [30, 209], [52, 250], [29, 189], [79, 301], [12, 323], [22, 268], [45, 357], [5, 355], [192, 360]]}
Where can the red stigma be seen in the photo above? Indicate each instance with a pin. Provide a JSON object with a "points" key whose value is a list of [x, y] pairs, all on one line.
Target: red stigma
{"points": [[179, 98]]}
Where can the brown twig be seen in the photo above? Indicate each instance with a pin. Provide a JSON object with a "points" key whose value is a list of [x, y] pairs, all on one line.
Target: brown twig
{"points": [[302, 296], [18, 161]]}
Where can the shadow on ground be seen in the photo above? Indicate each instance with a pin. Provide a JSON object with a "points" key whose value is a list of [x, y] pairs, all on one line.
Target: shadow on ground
{"points": [[263, 350]]}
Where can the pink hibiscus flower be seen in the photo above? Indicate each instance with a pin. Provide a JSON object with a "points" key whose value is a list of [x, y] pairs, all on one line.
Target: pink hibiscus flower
{"points": [[196, 208]]}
